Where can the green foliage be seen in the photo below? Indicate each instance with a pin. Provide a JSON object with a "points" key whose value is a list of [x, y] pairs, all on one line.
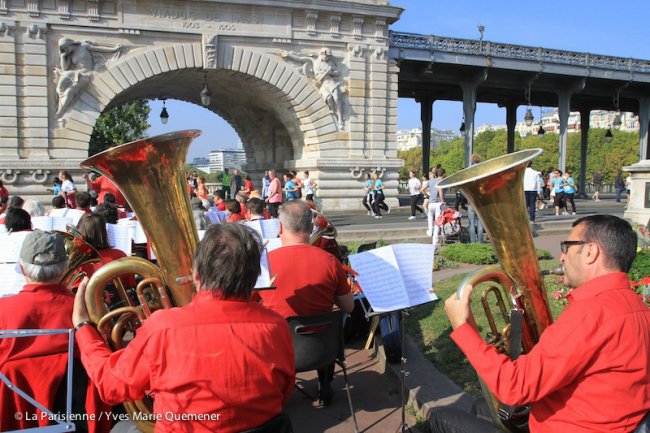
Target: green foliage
{"points": [[119, 125], [640, 266], [477, 254], [606, 157]]}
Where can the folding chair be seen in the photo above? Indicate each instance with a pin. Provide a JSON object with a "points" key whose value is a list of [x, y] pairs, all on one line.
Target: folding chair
{"points": [[318, 343]]}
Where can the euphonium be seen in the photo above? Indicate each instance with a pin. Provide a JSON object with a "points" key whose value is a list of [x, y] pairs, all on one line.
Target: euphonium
{"points": [[495, 190], [150, 174]]}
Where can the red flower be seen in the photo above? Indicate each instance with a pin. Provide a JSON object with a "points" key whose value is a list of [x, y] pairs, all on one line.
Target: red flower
{"points": [[559, 294], [642, 230], [634, 284], [645, 281]]}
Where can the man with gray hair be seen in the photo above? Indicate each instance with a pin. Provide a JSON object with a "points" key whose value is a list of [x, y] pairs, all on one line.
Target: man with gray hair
{"points": [[43, 303], [309, 280]]}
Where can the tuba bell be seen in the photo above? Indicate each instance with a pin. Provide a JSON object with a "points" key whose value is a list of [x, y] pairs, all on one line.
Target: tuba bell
{"points": [[150, 174], [495, 189]]}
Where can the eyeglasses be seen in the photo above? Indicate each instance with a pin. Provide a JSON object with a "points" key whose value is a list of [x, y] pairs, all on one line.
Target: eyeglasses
{"points": [[564, 245]]}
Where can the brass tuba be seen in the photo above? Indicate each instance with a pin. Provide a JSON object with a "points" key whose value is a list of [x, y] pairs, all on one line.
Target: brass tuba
{"points": [[150, 174], [495, 190]]}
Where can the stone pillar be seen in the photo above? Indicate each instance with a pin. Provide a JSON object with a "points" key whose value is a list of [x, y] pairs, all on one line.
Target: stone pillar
{"points": [[511, 122], [9, 97], [426, 110], [32, 89], [469, 109], [644, 114], [564, 104], [584, 135], [358, 97]]}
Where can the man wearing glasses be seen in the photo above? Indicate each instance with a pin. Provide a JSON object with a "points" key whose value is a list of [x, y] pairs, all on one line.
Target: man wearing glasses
{"points": [[590, 371]]}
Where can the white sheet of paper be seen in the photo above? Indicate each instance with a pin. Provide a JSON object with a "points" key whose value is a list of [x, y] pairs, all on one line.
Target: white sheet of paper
{"points": [[76, 215], [61, 223], [395, 277], [42, 223], [120, 237], [264, 280], [11, 282], [201, 234], [272, 244], [59, 212], [415, 262], [139, 237], [380, 279]]}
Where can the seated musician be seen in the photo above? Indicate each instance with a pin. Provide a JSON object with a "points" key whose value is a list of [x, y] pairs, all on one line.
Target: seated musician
{"points": [[93, 230], [309, 280], [590, 371], [255, 210], [221, 357], [38, 364]]}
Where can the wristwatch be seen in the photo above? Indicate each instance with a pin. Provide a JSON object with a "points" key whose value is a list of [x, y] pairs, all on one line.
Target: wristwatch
{"points": [[84, 323]]}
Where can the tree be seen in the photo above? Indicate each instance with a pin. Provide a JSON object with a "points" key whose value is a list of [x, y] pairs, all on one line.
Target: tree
{"points": [[119, 125]]}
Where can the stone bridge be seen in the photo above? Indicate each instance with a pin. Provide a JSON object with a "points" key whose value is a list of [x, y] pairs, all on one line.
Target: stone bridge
{"points": [[306, 84]]}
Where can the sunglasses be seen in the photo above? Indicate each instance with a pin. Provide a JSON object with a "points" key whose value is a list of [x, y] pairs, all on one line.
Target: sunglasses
{"points": [[564, 245]]}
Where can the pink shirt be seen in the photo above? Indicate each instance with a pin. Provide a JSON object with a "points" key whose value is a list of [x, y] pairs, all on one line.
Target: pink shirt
{"points": [[274, 191]]}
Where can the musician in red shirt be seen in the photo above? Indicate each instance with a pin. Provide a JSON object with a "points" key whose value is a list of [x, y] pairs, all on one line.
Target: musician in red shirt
{"points": [[103, 185], [590, 370], [309, 281], [223, 362]]}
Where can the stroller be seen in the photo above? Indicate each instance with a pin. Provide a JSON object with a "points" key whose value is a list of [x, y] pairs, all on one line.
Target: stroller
{"points": [[450, 225]]}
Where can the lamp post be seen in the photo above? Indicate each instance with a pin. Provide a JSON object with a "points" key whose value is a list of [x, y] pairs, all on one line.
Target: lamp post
{"points": [[206, 97], [164, 115]]}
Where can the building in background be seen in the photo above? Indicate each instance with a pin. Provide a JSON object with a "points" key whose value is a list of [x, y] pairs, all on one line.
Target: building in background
{"points": [[412, 138], [202, 164]]}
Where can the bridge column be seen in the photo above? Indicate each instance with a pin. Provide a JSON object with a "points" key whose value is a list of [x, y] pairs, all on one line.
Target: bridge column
{"points": [[511, 122], [564, 104], [584, 134], [644, 118], [469, 110], [426, 115]]}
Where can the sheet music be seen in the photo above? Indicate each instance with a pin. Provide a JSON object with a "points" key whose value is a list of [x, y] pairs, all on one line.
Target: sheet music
{"points": [[139, 236], [60, 223], [415, 262], [395, 277], [268, 229], [11, 282], [272, 244], [264, 279], [120, 236], [75, 214], [59, 212], [380, 279], [42, 223], [201, 234], [217, 216]]}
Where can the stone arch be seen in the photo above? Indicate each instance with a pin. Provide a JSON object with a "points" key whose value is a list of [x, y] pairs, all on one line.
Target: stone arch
{"points": [[306, 118]]}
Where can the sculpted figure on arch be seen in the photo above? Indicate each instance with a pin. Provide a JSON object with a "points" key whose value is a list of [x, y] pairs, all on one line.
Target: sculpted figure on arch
{"points": [[76, 62], [322, 69]]}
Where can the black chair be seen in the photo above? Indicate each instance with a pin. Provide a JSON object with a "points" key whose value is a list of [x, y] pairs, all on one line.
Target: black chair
{"points": [[318, 343], [367, 247], [278, 424]]}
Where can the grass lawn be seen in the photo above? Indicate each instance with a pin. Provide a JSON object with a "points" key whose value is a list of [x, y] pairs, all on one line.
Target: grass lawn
{"points": [[429, 326]]}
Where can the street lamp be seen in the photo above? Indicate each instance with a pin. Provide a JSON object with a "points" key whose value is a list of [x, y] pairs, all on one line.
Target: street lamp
{"points": [[528, 117], [164, 115], [462, 128], [616, 123], [608, 135], [206, 98]]}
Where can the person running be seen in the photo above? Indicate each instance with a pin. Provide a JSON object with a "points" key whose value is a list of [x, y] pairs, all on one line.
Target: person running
{"points": [[369, 194], [558, 190], [569, 191], [415, 186], [378, 202]]}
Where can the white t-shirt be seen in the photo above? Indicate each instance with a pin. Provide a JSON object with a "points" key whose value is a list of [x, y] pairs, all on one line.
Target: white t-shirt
{"points": [[530, 179], [306, 183], [434, 192], [414, 186], [68, 186]]}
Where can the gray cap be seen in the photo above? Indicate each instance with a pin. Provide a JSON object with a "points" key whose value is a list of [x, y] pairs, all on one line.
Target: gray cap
{"points": [[46, 243]]}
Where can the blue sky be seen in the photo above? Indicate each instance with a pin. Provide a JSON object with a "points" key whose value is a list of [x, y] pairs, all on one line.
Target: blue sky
{"points": [[601, 27]]}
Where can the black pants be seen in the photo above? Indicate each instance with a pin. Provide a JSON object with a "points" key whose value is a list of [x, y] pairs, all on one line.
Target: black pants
{"points": [[367, 202], [378, 204], [568, 198], [415, 199], [531, 201], [273, 209], [325, 376]]}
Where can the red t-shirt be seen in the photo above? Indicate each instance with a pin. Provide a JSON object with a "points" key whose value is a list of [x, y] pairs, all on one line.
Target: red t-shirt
{"points": [[235, 218], [103, 185], [211, 357], [590, 370], [243, 210], [308, 281], [37, 306]]}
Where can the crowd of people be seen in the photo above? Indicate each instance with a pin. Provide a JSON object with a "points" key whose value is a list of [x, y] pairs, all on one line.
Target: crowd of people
{"points": [[228, 354]]}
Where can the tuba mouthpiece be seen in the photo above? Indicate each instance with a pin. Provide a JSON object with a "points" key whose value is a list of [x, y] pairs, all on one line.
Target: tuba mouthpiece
{"points": [[555, 271]]}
